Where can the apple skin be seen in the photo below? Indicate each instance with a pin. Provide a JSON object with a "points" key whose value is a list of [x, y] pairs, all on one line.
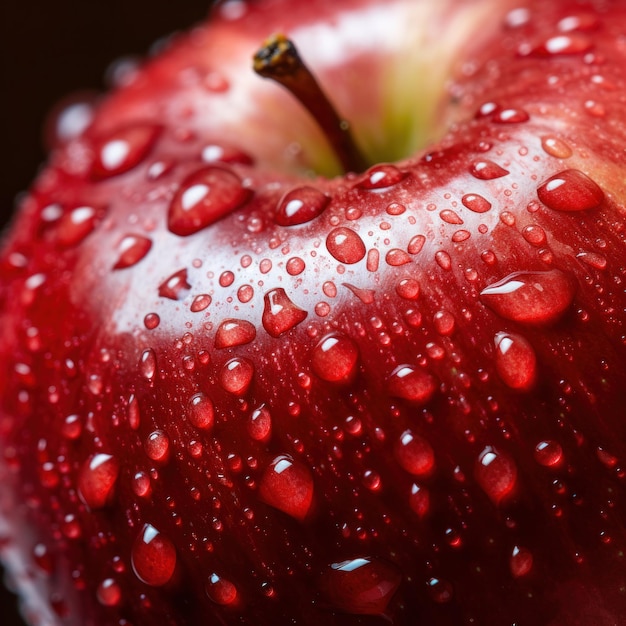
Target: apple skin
{"points": [[407, 408]]}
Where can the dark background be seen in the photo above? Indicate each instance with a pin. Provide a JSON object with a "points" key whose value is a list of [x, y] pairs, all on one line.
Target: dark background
{"points": [[52, 48]]}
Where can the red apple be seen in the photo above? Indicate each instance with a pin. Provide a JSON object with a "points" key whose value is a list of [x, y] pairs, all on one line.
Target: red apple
{"points": [[241, 386]]}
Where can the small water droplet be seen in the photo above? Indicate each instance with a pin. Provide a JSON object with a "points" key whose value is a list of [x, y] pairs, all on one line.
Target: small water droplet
{"points": [[556, 147], [176, 286], [560, 45], [200, 303], [516, 362], [570, 190], [147, 364], [414, 454], [345, 245], [548, 453], [234, 332], [408, 288], [153, 557], [204, 197], [236, 376], [96, 480], [201, 412], [419, 500], [397, 257], [520, 561], [450, 217], [412, 383], [476, 203], [109, 593], [141, 485], [295, 266], [361, 586], [334, 359], [534, 235], [74, 226], [287, 485], [381, 177], [443, 260], [300, 206], [122, 150], [531, 297], [260, 424], [440, 590], [212, 153], [496, 473], [280, 314], [221, 591], [157, 446], [485, 169], [131, 250], [416, 244], [151, 321], [444, 322]]}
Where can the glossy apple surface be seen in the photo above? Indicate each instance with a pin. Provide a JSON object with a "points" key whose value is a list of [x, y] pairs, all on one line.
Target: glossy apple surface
{"points": [[239, 384]]}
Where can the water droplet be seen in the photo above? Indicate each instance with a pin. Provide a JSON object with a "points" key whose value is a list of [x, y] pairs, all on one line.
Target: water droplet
{"points": [[213, 153], [510, 116], [153, 557], [381, 177], [395, 208], [414, 454], [287, 485], [176, 286], [556, 147], [534, 235], [221, 591], [593, 259], [123, 150], [476, 203], [201, 411], [397, 257], [496, 473], [142, 485], [450, 217], [487, 170], [560, 45], [236, 376], [516, 362], [203, 198], [361, 586], [233, 332], [366, 296], [147, 364], [151, 321], [531, 297], [570, 190], [157, 446], [416, 244], [335, 359], [412, 383], [345, 245], [300, 205], [260, 424], [280, 314], [109, 593], [200, 302], [444, 323], [548, 453], [520, 561], [131, 250], [443, 260], [295, 266], [96, 480], [419, 500], [408, 288], [74, 226], [440, 590]]}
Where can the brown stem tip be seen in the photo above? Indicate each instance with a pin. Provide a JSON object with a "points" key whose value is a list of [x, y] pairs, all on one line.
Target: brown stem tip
{"points": [[279, 60]]}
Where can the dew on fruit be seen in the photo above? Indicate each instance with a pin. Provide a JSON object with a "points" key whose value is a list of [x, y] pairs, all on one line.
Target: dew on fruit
{"points": [[74, 226], [220, 590], [259, 424], [236, 376], [287, 485], [381, 177], [200, 303], [109, 593], [335, 358], [148, 364], [151, 321], [203, 198], [373, 260], [450, 217], [412, 383], [131, 250], [485, 169], [439, 590], [176, 286], [72, 427], [461, 235], [396, 257], [419, 500], [153, 557], [556, 147], [300, 206], [443, 260], [395, 208], [201, 411], [496, 473], [444, 322], [414, 454], [360, 586], [570, 190], [416, 244], [70, 121], [123, 150], [531, 297], [157, 446], [234, 332], [97, 479], [510, 116], [226, 278], [534, 235], [345, 245], [295, 266], [141, 485], [560, 45], [593, 259], [408, 288], [280, 314], [245, 293], [213, 153], [366, 296], [134, 414], [520, 561], [516, 362], [549, 453]]}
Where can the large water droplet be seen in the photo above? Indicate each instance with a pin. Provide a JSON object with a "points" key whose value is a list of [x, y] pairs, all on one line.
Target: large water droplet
{"points": [[280, 314], [345, 245], [203, 198], [234, 332], [300, 205], [570, 190], [131, 250], [96, 480], [516, 362], [335, 359], [236, 376], [361, 586], [153, 557], [496, 473], [531, 297], [412, 383], [287, 485], [414, 454], [123, 150]]}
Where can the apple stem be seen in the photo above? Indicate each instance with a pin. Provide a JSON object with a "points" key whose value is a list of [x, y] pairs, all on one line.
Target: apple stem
{"points": [[279, 60]]}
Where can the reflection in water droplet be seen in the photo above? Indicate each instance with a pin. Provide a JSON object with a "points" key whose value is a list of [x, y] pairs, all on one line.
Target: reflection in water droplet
{"points": [[287, 485], [109, 593], [153, 557]]}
